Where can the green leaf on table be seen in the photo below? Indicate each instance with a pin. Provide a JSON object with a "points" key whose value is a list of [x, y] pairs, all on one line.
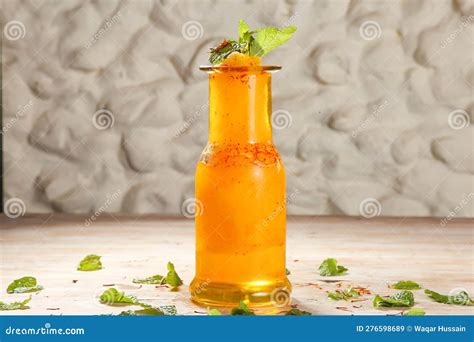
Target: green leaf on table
{"points": [[15, 305], [172, 278], [400, 299], [461, 297], [346, 294], [90, 263], [117, 298], [148, 311], [213, 312], [156, 279], [169, 310], [298, 312], [242, 310], [414, 312], [287, 272], [329, 268], [24, 285], [405, 285]]}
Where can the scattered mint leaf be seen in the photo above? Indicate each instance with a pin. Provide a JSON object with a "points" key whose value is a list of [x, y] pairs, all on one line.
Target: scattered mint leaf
{"points": [[270, 38], [405, 285], [329, 268], [172, 278], [24, 285], [346, 294], [298, 312], [15, 305], [288, 272], [169, 310], [460, 298], [213, 312], [400, 299], [156, 279], [116, 298], [150, 311], [90, 263], [242, 310], [414, 312]]}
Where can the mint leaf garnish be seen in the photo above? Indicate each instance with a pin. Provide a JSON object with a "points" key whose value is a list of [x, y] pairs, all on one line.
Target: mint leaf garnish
{"points": [[287, 271], [213, 312], [252, 42], [400, 299], [114, 297], [90, 263], [156, 279], [15, 305], [414, 312], [270, 38], [298, 312], [242, 310], [329, 268], [406, 285], [460, 298], [24, 285]]}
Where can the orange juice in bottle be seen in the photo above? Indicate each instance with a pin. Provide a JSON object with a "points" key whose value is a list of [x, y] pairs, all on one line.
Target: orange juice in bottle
{"points": [[240, 187]]}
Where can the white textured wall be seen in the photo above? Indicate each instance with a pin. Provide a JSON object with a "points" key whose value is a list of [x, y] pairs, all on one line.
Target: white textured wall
{"points": [[380, 96]]}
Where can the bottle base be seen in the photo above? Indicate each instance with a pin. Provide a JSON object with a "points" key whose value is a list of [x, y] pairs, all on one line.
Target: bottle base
{"points": [[255, 294]]}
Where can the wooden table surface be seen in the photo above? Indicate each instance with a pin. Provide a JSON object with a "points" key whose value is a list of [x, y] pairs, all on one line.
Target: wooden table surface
{"points": [[377, 252]]}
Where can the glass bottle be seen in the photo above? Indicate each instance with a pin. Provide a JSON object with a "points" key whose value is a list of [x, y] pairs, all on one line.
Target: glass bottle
{"points": [[240, 187]]}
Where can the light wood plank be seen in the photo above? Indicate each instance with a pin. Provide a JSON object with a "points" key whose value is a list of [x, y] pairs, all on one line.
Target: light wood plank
{"points": [[376, 251]]}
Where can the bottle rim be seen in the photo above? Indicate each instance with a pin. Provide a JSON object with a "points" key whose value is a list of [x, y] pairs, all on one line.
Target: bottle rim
{"points": [[223, 68]]}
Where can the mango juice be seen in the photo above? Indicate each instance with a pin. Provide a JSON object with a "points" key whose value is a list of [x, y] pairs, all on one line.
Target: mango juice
{"points": [[240, 186]]}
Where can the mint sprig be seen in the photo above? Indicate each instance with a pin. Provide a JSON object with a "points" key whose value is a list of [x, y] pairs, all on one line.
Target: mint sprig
{"points": [[257, 42]]}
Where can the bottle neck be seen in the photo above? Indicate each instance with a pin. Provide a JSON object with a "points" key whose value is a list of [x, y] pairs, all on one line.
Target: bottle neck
{"points": [[240, 107]]}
